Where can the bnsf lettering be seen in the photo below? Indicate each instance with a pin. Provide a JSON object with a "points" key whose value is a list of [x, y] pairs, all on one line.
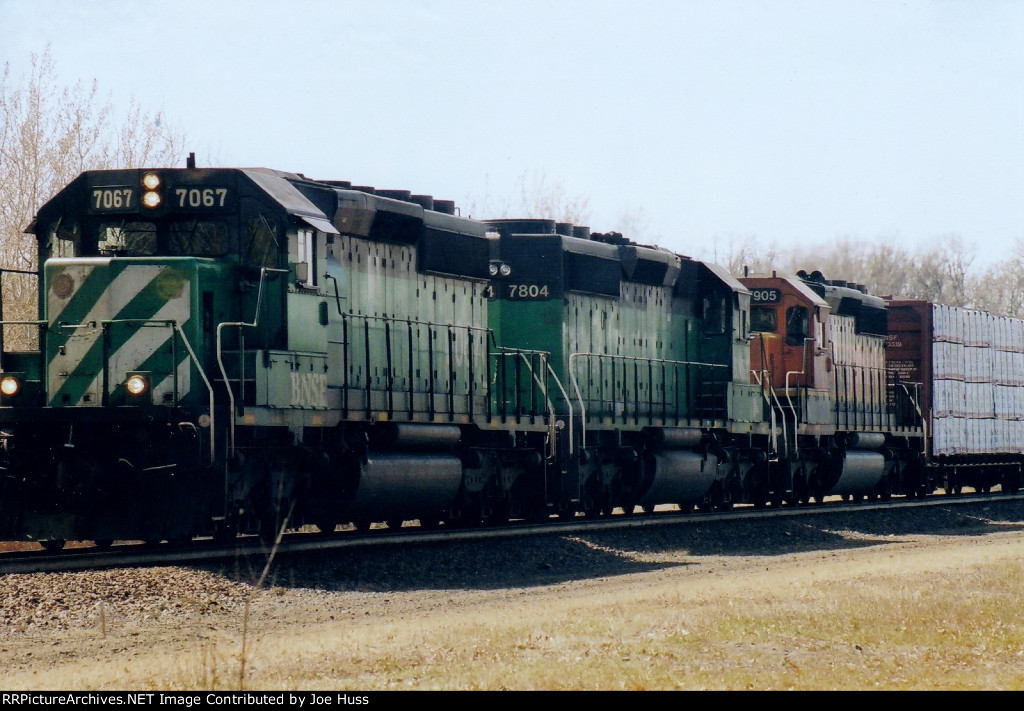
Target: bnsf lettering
{"points": [[201, 197], [309, 390]]}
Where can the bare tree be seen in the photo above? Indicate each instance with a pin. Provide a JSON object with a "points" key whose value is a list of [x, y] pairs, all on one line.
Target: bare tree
{"points": [[750, 255], [999, 288], [633, 225], [882, 267], [48, 135], [942, 273], [538, 197]]}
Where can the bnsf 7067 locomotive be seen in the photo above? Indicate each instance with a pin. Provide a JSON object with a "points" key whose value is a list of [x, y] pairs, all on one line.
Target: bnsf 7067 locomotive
{"points": [[225, 351]]}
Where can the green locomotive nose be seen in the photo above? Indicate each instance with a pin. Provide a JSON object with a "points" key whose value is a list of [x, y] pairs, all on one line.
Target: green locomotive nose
{"points": [[114, 330]]}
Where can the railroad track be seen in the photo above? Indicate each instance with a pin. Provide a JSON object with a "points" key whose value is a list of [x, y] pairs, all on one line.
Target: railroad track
{"points": [[127, 555]]}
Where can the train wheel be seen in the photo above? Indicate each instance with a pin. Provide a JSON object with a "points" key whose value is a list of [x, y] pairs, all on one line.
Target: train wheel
{"points": [[268, 530], [326, 526], [760, 498], [223, 532], [884, 489], [801, 492], [103, 544], [394, 524], [500, 514], [53, 545], [361, 524]]}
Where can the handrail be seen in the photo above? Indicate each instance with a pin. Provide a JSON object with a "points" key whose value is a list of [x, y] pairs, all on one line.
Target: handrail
{"points": [[764, 381], [789, 398], [171, 323], [553, 452], [4, 270], [920, 414], [545, 365], [176, 327], [337, 296], [220, 352], [872, 381], [41, 324], [792, 408], [785, 433], [209, 389], [415, 322], [770, 396], [406, 328], [650, 361]]}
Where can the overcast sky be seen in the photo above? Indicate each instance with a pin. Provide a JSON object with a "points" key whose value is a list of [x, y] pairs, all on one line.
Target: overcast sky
{"points": [[711, 120]]}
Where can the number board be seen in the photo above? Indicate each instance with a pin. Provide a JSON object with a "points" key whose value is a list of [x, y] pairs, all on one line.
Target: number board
{"points": [[765, 296], [114, 198], [518, 291], [197, 197]]}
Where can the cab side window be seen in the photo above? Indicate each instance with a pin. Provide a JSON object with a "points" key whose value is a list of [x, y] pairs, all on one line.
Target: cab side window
{"points": [[64, 240], [796, 325], [716, 314], [763, 319], [260, 247], [305, 257]]}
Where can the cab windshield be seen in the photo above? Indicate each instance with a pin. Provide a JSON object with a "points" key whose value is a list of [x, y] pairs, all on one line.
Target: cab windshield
{"points": [[139, 238]]}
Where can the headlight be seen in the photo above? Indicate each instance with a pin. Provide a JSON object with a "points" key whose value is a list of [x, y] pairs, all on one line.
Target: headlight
{"points": [[505, 270], [151, 197], [136, 385], [10, 386]]}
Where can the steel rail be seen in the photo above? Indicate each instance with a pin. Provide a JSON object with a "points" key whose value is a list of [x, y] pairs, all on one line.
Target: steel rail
{"points": [[205, 551]]}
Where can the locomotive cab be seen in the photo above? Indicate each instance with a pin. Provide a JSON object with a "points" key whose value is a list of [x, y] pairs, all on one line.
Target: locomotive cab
{"points": [[786, 322], [788, 354]]}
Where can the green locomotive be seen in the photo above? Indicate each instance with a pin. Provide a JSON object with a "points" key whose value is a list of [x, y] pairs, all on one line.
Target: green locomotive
{"points": [[224, 351]]}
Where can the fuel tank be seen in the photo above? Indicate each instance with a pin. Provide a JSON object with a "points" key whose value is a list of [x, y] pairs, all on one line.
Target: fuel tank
{"points": [[680, 476], [406, 486]]}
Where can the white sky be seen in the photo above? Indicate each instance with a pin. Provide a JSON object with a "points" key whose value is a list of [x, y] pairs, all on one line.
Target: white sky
{"points": [[714, 120]]}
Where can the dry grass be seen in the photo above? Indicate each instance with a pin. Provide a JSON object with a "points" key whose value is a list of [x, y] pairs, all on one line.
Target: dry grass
{"points": [[942, 632], [932, 615]]}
